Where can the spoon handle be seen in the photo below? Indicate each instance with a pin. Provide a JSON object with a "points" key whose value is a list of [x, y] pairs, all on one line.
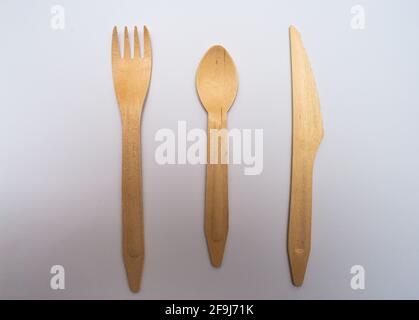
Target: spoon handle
{"points": [[216, 193]]}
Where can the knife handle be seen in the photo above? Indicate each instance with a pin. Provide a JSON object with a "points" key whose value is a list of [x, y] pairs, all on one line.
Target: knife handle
{"points": [[132, 201], [216, 193], [299, 229]]}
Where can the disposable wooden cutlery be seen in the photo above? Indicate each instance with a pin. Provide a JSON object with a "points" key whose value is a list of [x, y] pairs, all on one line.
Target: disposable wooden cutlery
{"points": [[306, 137], [131, 76], [216, 83]]}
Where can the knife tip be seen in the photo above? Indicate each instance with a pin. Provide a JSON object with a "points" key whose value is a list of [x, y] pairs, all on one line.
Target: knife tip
{"points": [[293, 30]]}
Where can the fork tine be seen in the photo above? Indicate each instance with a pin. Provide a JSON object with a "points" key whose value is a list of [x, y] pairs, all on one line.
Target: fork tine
{"points": [[116, 54], [127, 50], [147, 44], [136, 43]]}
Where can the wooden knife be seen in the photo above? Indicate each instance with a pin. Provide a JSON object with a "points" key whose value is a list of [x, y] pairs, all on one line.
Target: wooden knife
{"points": [[307, 133]]}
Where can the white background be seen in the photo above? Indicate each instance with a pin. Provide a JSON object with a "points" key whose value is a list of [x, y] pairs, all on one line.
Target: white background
{"points": [[60, 145]]}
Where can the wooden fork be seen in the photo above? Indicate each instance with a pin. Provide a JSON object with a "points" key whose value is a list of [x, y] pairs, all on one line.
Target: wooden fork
{"points": [[131, 76]]}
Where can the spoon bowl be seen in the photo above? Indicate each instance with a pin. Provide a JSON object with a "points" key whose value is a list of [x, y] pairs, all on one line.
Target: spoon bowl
{"points": [[216, 80]]}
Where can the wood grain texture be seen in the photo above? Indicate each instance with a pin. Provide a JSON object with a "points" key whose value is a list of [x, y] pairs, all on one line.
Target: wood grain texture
{"points": [[306, 137], [131, 77], [217, 85]]}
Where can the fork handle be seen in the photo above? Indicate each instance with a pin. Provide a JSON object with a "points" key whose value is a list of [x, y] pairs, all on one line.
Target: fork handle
{"points": [[216, 195], [132, 201]]}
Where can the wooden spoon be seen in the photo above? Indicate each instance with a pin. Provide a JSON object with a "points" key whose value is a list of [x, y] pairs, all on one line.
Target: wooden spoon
{"points": [[216, 83]]}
